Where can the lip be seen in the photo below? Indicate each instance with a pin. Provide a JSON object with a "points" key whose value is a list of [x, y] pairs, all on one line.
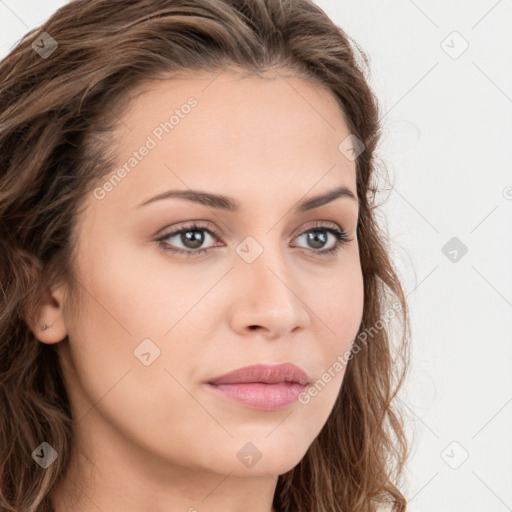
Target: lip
{"points": [[262, 386], [264, 373]]}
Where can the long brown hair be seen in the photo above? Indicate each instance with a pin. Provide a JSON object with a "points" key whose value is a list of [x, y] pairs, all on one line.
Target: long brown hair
{"points": [[57, 111]]}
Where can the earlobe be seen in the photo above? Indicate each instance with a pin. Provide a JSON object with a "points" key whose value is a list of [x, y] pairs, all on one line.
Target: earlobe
{"points": [[49, 324], [45, 319]]}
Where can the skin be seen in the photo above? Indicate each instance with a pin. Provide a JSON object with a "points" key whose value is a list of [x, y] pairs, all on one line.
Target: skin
{"points": [[154, 438]]}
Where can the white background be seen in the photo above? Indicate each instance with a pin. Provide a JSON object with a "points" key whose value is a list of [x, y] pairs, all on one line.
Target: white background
{"points": [[448, 150]]}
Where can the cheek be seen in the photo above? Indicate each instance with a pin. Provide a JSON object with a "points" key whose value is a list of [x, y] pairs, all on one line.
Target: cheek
{"points": [[342, 303], [107, 381], [339, 314], [125, 302]]}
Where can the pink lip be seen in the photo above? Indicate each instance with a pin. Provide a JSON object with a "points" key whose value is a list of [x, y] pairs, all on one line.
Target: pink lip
{"points": [[265, 387]]}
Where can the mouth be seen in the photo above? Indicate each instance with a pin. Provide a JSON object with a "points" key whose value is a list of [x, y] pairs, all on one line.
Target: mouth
{"points": [[263, 387]]}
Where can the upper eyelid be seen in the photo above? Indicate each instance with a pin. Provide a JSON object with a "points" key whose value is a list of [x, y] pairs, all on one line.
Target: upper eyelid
{"points": [[206, 225], [188, 227]]}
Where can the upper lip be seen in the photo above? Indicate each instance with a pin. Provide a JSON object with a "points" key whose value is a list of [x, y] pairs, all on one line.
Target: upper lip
{"points": [[264, 373]]}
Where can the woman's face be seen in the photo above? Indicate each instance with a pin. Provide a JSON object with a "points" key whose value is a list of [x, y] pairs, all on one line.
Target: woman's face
{"points": [[154, 326]]}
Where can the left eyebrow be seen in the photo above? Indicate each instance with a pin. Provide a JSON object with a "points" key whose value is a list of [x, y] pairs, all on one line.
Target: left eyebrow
{"points": [[228, 203], [316, 201]]}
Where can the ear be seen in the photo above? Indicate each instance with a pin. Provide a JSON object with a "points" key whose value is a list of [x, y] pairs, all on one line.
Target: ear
{"points": [[47, 321], [48, 325]]}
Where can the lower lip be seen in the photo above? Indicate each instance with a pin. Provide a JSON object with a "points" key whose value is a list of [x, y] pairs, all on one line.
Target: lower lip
{"points": [[267, 397]]}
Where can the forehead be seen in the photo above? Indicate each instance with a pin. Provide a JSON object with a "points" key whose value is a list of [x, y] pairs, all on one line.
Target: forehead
{"points": [[222, 130]]}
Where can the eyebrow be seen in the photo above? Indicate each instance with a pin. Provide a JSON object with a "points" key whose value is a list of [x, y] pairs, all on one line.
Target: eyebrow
{"points": [[227, 203]]}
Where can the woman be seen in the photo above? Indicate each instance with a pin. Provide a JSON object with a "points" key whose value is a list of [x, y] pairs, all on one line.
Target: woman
{"points": [[197, 297]]}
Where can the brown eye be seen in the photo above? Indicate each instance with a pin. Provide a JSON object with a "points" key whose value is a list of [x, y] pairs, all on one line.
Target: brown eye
{"points": [[191, 239]]}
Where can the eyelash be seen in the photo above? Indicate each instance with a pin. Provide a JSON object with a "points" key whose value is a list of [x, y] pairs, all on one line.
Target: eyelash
{"points": [[340, 235]]}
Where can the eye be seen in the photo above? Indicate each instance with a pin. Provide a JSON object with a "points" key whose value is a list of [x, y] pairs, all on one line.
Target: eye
{"points": [[193, 236], [318, 236]]}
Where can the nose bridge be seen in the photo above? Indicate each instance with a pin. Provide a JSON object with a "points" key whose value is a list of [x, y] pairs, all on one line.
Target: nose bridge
{"points": [[267, 297], [264, 264]]}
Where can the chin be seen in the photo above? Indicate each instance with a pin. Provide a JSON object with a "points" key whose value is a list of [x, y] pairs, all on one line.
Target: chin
{"points": [[264, 458], [249, 459], [264, 469]]}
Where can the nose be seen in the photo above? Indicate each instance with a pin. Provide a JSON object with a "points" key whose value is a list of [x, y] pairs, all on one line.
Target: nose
{"points": [[268, 298]]}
